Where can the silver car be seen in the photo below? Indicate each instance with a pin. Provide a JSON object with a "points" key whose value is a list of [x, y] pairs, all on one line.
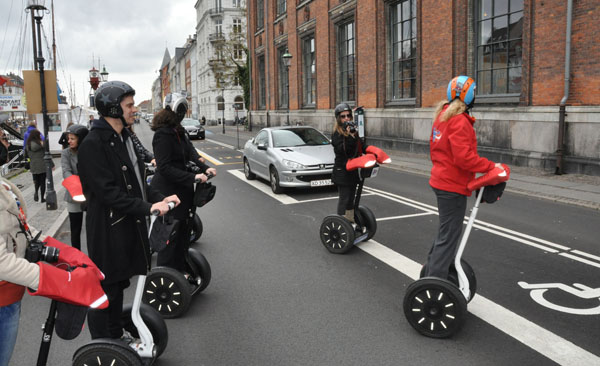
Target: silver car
{"points": [[289, 157]]}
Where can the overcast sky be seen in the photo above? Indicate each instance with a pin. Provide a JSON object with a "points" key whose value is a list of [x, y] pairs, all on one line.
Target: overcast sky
{"points": [[128, 36]]}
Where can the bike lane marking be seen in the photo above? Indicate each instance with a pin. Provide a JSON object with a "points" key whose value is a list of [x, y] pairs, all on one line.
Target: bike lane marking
{"points": [[264, 188], [539, 339]]}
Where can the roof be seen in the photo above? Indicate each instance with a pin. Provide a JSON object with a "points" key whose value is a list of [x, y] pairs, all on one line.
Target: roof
{"points": [[166, 58]]}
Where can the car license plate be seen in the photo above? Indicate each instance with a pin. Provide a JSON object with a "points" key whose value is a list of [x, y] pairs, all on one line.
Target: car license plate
{"points": [[321, 182]]}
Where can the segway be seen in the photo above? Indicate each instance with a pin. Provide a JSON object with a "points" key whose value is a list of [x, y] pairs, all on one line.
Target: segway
{"points": [[140, 320], [170, 292], [337, 233], [437, 307]]}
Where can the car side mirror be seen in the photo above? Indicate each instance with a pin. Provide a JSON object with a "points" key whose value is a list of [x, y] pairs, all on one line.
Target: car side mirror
{"points": [[262, 147]]}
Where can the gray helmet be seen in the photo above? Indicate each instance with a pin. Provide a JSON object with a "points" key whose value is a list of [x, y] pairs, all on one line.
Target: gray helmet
{"points": [[177, 103], [78, 130], [341, 108], [109, 97]]}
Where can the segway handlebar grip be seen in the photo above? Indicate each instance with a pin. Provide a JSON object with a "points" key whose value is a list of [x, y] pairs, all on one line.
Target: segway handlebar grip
{"points": [[157, 212], [491, 178]]}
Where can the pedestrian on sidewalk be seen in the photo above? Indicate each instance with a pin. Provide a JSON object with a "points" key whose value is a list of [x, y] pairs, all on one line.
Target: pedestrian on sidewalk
{"points": [[64, 137], [453, 152], [32, 126], [4, 145], [174, 150], [37, 165], [118, 203], [346, 145], [68, 161]]}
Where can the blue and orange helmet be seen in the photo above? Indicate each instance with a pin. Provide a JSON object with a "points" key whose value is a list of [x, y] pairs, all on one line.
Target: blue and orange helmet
{"points": [[463, 88]]}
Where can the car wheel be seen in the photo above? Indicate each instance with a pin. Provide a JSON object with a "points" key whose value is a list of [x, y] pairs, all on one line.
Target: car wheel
{"points": [[249, 175], [274, 179]]}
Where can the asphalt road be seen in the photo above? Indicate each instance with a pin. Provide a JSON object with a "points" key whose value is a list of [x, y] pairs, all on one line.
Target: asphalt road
{"points": [[278, 297]]}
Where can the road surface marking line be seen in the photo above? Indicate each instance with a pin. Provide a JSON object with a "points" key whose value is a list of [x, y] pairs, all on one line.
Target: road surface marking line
{"points": [[209, 158], [539, 339], [495, 229], [586, 255], [327, 198], [265, 188], [579, 259], [221, 144], [404, 216]]}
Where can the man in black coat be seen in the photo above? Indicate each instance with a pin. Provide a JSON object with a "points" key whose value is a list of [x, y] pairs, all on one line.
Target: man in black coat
{"points": [[118, 202]]}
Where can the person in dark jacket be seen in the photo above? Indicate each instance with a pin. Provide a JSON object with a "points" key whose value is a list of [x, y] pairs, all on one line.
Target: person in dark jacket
{"points": [[173, 150], [37, 165], [118, 202], [453, 152], [346, 145], [4, 145], [32, 126]]}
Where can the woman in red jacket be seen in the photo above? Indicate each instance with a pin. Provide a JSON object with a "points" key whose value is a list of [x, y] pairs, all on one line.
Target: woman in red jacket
{"points": [[453, 152]]}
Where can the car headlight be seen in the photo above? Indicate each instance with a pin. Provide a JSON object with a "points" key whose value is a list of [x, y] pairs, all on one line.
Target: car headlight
{"points": [[292, 164]]}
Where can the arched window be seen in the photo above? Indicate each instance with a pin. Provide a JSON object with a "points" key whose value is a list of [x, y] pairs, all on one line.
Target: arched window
{"points": [[220, 103], [239, 102]]}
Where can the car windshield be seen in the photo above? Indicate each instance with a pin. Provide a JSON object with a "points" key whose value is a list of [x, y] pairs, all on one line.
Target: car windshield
{"points": [[190, 122], [298, 137]]}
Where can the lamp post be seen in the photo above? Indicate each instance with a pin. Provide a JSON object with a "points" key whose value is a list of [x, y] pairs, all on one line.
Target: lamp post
{"points": [[287, 61], [37, 8], [104, 74]]}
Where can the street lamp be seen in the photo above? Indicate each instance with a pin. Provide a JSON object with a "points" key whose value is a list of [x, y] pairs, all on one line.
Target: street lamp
{"points": [[287, 61], [37, 9], [104, 74]]}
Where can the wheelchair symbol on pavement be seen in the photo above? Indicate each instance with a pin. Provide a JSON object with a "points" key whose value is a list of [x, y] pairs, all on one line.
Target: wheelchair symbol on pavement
{"points": [[579, 290]]}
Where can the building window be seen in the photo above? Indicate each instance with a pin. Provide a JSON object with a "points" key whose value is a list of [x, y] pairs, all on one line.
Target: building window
{"points": [[260, 14], [261, 82], [238, 52], [499, 46], [220, 103], [346, 80], [283, 80], [281, 7], [218, 26], [237, 3], [403, 55], [309, 85], [237, 26]]}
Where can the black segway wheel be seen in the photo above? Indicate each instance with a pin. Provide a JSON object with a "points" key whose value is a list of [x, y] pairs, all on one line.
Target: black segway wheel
{"points": [[167, 291], [106, 354], [435, 307], [153, 320], [453, 276], [197, 228], [365, 218], [197, 265], [337, 234]]}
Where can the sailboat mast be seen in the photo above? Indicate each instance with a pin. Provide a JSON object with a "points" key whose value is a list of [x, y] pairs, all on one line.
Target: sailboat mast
{"points": [[53, 38]]}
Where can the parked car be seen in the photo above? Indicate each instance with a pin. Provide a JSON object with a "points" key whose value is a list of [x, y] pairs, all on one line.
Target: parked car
{"points": [[291, 156], [193, 128]]}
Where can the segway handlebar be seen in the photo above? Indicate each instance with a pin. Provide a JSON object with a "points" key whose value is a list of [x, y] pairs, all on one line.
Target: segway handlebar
{"points": [[491, 178], [157, 212], [208, 177]]}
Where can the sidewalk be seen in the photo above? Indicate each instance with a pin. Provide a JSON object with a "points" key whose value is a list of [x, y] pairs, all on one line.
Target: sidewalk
{"points": [[573, 189]]}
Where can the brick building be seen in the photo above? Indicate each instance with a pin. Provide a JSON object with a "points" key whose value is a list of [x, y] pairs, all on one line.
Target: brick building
{"points": [[395, 59]]}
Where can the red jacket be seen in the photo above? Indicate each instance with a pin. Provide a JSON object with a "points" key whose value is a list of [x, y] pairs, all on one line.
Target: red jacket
{"points": [[453, 151]]}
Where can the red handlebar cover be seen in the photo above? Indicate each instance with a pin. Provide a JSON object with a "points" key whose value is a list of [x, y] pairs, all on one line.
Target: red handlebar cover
{"points": [[491, 178]]}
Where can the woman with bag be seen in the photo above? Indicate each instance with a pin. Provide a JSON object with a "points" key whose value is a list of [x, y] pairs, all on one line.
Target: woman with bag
{"points": [[172, 151], [68, 160]]}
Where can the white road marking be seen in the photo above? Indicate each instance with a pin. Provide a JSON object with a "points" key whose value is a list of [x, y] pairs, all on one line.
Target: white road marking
{"points": [[530, 334], [404, 216], [221, 144], [265, 188]]}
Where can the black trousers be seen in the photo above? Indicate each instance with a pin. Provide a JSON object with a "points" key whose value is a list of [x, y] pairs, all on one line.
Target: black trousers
{"points": [[347, 194], [451, 208], [39, 182], [174, 254], [106, 323], [76, 220]]}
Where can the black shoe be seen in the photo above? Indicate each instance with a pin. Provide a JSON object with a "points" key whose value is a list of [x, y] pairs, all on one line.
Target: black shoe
{"points": [[43, 199], [35, 197]]}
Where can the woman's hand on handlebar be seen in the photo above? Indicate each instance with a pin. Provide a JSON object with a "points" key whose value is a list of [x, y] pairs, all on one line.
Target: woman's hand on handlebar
{"points": [[172, 198], [161, 207], [201, 178], [211, 171]]}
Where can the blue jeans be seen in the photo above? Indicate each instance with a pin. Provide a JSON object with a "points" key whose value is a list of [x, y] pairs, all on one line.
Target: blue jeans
{"points": [[9, 325]]}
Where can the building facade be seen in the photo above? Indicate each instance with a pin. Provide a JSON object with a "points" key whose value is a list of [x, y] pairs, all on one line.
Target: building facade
{"points": [[537, 104], [218, 22]]}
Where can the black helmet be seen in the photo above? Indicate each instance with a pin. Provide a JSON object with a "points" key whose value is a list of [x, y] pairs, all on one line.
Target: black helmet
{"points": [[177, 103], [341, 108], [78, 130], [109, 97]]}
